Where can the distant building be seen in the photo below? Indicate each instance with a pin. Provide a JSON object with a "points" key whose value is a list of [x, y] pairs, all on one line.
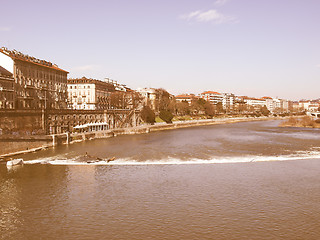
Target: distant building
{"points": [[285, 105], [280, 105], [228, 100], [311, 106], [254, 102], [117, 86], [269, 103], [295, 106], [7, 96], [212, 97], [149, 96], [185, 98], [89, 94], [38, 84]]}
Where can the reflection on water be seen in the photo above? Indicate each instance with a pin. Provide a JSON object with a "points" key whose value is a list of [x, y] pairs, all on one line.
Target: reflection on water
{"points": [[266, 200], [10, 208], [250, 200]]}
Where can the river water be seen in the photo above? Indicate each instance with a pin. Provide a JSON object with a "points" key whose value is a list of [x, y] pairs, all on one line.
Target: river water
{"points": [[249, 180]]}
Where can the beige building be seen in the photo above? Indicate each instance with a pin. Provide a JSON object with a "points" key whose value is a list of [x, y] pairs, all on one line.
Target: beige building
{"points": [[149, 96], [212, 97], [254, 102], [7, 96], [89, 94], [185, 98], [38, 84], [228, 100]]}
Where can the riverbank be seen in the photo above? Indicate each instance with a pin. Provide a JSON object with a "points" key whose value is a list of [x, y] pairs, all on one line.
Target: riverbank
{"points": [[305, 122], [79, 137]]}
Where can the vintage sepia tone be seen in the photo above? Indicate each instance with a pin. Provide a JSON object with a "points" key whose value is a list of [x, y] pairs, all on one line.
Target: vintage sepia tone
{"points": [[159, 120]]}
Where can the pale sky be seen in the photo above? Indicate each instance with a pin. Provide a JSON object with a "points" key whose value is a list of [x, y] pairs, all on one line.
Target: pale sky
{"points": [[247, 47]]}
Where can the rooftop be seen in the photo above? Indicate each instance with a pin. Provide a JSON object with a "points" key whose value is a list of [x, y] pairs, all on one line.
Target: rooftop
{"points": [[185, 96], [211, 92], [85, 80], [16, 55]]}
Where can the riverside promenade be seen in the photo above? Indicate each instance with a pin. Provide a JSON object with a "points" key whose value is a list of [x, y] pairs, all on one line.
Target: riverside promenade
{"points": [[13, 147]]}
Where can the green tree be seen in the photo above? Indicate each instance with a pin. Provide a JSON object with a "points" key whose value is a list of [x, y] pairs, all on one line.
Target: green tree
{"points": [[182, 108], [209, 109], [219, 107], [148, 115], [197, 105], [163, 99], [166, 116], [264, 111]]}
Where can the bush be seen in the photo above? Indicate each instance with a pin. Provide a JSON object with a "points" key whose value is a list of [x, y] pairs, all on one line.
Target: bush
{"points": [[148, 115], [292, 121], [265, 111], [166, 116], [307, 121]]}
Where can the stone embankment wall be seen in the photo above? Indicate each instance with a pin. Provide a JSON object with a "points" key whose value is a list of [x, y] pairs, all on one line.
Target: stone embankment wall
{"points": [[161, 126], [18, 122], [23, 144], [26, 145], [13, 147]]}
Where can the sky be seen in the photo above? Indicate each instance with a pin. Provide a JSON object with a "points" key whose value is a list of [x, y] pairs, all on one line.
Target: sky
{"points": [[247, 47]]}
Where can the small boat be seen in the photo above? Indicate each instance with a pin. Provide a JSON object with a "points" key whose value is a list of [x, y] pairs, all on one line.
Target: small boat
{"points": [[15, 162], [111, 159]]}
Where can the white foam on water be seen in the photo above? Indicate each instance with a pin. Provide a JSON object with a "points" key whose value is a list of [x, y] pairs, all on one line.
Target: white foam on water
{"points": [[39, 161], [61, 160]]}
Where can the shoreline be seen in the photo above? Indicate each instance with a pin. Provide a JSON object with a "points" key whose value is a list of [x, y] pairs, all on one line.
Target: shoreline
{"points": [[80, 137]]}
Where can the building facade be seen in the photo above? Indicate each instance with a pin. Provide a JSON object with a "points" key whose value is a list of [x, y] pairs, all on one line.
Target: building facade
{"points": [[89, 94], [186, 98], [38, 84], [7, 96], [228, 100], [212, 97], [255, 102], [149, 97]]}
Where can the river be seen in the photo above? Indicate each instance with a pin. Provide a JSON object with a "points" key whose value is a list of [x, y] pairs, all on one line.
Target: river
{"points": [[249, 180]]}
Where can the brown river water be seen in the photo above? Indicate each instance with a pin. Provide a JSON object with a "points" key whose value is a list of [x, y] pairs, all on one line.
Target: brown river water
{"points": [[249, 180]]}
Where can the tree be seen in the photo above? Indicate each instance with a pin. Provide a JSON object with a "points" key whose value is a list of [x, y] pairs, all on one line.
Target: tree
{"points": [[264, 111], [164, 101], [197, 106], [182, 108], [148, 115], [209, 109], [166, 116], [219, 107], [242, 106]]}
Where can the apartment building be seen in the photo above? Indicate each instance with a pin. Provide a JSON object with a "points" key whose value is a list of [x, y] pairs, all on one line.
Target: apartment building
{"points": [[89, 94], [255, 102], [228, 100], [38, 84], [212, 97], [185, 98], [7, 96], [149, 96]]}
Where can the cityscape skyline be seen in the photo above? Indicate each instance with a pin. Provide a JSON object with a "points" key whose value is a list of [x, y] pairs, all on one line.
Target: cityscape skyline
{"points": [[248, 48]]}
